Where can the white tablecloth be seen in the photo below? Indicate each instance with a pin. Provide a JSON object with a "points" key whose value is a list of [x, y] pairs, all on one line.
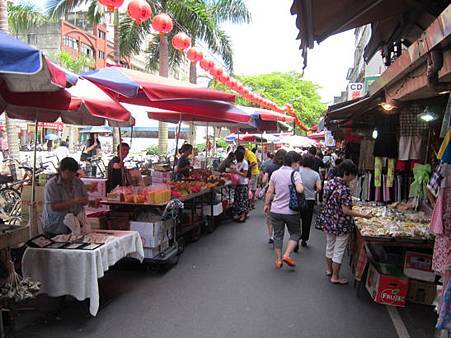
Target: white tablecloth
{"points": [[76, 272]]}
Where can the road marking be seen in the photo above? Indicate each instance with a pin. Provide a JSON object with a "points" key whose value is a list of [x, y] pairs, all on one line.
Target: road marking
{"points": [[398, 323]]}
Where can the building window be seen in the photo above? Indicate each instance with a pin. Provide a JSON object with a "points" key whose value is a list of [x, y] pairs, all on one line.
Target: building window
{"points": [[70, 42], [102, 35], [88, 51], [101, 55], [32, 39]]}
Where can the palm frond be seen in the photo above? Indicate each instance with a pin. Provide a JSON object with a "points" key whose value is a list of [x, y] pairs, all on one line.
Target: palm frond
{"points": [[24, 17], [132, 35], [95, 12], [234, 11], [176, 59], [57, 9]]}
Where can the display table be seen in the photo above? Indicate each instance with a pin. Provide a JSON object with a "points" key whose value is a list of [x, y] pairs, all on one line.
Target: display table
{"points": [[76, 272], [359, 256]]}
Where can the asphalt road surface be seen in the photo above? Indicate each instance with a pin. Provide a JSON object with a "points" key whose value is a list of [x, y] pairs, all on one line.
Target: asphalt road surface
{"points": [[225, 285]]}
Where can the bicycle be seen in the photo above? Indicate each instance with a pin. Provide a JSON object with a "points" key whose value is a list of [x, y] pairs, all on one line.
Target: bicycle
{"points": [[11, 191]]}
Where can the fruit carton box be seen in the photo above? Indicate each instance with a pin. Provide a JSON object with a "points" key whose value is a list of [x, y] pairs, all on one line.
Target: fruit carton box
{"points": [[387, 289]]}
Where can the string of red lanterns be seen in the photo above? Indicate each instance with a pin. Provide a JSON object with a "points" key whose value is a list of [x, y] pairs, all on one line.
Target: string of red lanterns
{"points": [[140, 11]]}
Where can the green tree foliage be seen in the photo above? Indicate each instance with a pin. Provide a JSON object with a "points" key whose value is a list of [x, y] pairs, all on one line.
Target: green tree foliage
{"points": [[77, 65], [23, 17], [284, 88]]}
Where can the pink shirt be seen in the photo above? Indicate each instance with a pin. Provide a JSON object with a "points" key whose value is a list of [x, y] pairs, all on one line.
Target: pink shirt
{"points": [[281, 180]]}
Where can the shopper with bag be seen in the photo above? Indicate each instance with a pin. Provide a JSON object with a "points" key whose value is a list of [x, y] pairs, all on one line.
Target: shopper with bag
{"points": [[277, 205], [338, 219], [277, 163], [312, 185]]}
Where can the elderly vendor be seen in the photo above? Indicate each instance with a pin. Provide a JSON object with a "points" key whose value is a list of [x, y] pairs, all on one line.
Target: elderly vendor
{"points": [[63, 194]]}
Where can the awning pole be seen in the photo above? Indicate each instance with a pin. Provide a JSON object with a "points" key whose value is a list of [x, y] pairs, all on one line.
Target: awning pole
{"points": [[206, 150], [177, 137], [123, 178], [33, 211]]}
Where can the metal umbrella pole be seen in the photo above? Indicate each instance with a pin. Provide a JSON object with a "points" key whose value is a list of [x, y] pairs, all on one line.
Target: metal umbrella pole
{"points": [[33, 211], [177, 138], [206, 150]]}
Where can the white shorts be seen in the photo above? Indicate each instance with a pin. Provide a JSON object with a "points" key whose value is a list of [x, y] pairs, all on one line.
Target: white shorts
{"points": [[336, 246]]}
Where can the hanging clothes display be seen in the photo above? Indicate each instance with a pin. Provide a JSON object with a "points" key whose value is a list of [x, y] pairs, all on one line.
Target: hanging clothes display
{"points": [[366, 157], [390, 172], [411, 132], [386, 143]]}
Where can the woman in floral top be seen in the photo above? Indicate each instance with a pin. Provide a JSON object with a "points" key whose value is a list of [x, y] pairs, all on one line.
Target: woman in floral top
{"points": [[338, 218]]}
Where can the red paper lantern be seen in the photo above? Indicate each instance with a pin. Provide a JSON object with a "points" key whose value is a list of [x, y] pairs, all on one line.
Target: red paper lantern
{"points": [[181, 41], [233, 83], [216, 71], [207, 64], [225, 78], [112, 4], [195, 54], [162, 23], [139, 10]]}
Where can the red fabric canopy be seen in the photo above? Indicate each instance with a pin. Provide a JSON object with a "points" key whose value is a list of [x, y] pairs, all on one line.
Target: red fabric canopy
{"points": [[140, 88], [203, 111], [83, 104]]}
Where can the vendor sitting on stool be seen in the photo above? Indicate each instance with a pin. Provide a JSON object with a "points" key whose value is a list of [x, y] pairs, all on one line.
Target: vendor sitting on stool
{"points": [[182, 170], [63, 194], [116, 167]]}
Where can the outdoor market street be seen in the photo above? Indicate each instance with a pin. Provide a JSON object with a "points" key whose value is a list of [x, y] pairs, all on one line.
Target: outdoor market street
{"points": [[225, 286]]}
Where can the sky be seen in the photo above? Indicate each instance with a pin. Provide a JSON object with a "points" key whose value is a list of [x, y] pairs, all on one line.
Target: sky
{"points": [[268, 44]]}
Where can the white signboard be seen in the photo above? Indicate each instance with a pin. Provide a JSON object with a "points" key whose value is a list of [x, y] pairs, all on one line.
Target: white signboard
{"points": [[329, 140], [355, 90]]}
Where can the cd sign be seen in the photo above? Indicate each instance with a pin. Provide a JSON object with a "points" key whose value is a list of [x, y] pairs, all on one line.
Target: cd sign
{"points": [[355, 90]]}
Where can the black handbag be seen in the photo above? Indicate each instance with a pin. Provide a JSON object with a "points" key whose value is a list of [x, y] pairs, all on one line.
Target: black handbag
{"points": [[84, 156], [297, 200]]}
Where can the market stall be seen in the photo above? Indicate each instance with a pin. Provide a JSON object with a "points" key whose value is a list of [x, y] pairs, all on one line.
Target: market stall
{"points": [[73, 264], [398, 255]]}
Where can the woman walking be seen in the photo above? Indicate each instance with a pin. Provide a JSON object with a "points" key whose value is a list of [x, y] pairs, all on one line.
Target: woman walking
{"points": [[312, 185], [338, 219], [241, 198], [277, 205], [277, 163]]}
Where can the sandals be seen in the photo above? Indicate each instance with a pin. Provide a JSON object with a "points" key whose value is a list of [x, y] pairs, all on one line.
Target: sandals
{"points": [[278, 264], [289, 261], [329, 273], [341, 281]]}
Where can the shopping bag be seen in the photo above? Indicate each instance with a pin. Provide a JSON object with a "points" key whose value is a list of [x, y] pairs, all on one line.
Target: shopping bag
{"points": [[235, 179], [297, 200]]}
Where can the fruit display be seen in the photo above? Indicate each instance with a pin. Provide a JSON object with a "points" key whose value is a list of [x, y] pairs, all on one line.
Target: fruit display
{"points": [[185, 188], [200, 174], [214, 181], [158, 194], [389, 222]]}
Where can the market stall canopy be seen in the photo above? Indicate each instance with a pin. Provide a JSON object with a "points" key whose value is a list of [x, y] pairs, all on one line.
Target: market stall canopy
{"points": [[266, 115], [25, 69], [297, 141], [391, 20], [201, 112], [140, 88], [83, 104], [359, 111], [246, 138]]}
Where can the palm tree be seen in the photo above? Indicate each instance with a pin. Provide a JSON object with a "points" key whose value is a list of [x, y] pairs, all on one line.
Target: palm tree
{"points": [[15, 18], [58, 9], [201, 19]]}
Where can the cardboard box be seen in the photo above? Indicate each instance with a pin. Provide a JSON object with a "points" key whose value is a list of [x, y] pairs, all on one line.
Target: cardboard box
{"points": [[26, 202], [387, 289], [422, 292], [418, 266], [96, 187], [149, 231]]}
